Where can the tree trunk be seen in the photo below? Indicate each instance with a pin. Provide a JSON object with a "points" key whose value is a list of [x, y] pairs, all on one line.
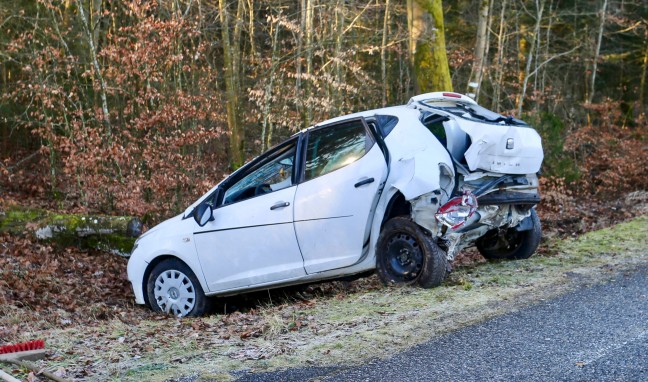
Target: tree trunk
{"points": [[431, 69], [597, 50], [95, 63], [477, 71], [309, 63], [644, 70], [547, 44], [299, 99], [499, 74], [412, 38], [339, 32], [232, 89], [526, 74], [266, 132], [383, 56], [113, 234], [253, 50]]}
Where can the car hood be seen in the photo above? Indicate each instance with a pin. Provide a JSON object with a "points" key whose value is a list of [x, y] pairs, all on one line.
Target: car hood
{"points": [[174, 225]]}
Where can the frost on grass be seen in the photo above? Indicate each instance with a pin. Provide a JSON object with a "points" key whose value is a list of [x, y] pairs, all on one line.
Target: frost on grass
{"points": [[81, 304]]}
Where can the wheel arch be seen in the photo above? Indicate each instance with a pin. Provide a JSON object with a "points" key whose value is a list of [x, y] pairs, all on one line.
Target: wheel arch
{"points": [[397, 206]]}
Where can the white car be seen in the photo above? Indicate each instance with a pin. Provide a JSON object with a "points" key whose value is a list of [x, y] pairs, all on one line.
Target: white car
{"points": [[400, 190]]}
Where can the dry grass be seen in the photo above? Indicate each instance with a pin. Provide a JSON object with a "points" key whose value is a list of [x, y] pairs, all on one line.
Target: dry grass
{"points": [[333, 323]]}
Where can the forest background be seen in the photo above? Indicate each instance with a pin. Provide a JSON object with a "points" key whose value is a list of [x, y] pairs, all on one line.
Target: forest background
{"points": [[137, 107]]}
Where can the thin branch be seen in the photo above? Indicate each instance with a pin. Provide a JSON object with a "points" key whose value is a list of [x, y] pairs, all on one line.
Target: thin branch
{"points": [[20, 162], [543, 63], [357, 17], [628, 29]]}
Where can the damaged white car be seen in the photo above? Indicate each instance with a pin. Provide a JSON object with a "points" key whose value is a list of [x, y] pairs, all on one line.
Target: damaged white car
{"points": [[400, 190]]}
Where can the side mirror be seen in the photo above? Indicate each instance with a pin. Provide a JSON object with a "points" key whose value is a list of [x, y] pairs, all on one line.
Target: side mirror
{"points": [[203, 213]]}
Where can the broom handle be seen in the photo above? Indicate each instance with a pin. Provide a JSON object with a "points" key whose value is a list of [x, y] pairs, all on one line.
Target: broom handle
{"points": [[35, 369], [6, 377]]}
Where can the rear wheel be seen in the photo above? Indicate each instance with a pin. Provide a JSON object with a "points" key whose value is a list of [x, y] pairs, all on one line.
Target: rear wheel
{"points": [[406, 255], [173, 288], [511, 244]]}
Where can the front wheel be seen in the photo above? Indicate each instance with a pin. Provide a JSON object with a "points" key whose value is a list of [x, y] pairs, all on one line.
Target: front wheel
{"points": [[511, 244], [173, 288], [406, 255]]}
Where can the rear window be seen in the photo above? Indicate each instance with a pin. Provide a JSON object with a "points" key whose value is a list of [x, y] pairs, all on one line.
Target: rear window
{"points": [[477, 113]]}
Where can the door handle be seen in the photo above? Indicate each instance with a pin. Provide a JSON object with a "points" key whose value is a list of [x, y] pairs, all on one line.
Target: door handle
{"points": [[363, 182], [280, 205]]}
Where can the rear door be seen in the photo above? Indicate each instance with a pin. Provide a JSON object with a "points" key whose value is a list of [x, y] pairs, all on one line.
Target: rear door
{"points": [[343, 175]]}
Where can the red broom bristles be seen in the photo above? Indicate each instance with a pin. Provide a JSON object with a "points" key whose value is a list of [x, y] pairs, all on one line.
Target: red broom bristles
{"points": [[22, 346]]}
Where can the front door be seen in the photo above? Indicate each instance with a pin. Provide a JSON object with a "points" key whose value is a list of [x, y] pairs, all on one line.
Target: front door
{"points": [[343, 176], [251, 240]]}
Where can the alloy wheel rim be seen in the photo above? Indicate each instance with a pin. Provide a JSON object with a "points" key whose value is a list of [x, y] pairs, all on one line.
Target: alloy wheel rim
{"points": [[175, 293]]}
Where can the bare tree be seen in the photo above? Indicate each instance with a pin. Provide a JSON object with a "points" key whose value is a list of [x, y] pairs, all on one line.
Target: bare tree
{"points": [[499, 66], [477, 71], [383, 55], [308, 27], [97, 68], [597, 50], [231, 59], [530, 57]]}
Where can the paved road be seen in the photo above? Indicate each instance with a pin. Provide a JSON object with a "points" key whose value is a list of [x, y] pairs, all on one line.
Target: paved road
{"points": [[597, 333]]}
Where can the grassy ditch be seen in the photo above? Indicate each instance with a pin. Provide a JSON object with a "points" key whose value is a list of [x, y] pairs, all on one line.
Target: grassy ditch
{"points": [[343, 328]]}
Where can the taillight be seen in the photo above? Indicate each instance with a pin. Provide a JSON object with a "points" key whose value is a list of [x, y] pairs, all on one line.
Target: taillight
{"points": [[453, 95], [457, 210]]}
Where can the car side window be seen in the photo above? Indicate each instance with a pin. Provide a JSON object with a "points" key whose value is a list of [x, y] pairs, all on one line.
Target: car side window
{"points": [[272, 173], [434, 123], [333, 147]]}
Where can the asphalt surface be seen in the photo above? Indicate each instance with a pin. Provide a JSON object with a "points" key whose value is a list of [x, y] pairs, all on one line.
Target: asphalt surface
{"points": [[596, 333]]}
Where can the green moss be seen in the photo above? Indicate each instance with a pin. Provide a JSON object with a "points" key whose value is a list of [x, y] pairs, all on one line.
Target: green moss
{"points": [[109, 243], [14, 219], [430, 60], [106, 233]]}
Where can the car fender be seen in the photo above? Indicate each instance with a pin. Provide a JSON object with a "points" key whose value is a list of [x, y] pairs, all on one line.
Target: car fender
{"points": [[416, 157], [171, 238]]}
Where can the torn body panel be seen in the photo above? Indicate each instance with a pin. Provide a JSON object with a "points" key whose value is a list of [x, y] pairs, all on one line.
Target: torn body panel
{"points": [[485, 219], [419, 162], [501, 202], [503, 149]]}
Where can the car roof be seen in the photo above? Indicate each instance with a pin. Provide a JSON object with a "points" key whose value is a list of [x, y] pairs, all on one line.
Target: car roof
{"points": [[430, 99]]}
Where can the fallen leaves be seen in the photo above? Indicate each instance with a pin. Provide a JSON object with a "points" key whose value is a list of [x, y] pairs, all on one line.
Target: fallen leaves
{"points": [[256, 353], [65, 286]]}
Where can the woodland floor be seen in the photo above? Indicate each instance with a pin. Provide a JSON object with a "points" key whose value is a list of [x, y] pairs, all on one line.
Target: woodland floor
{"points": [[81, 303]]}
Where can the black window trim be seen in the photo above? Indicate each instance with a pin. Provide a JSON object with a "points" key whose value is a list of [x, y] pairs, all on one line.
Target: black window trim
{"points": [[254, 165], [380, 140]]}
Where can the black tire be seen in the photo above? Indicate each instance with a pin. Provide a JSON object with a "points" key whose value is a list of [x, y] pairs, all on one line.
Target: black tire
{"points": [[406, 255], [512, 244], [178, 293]]}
